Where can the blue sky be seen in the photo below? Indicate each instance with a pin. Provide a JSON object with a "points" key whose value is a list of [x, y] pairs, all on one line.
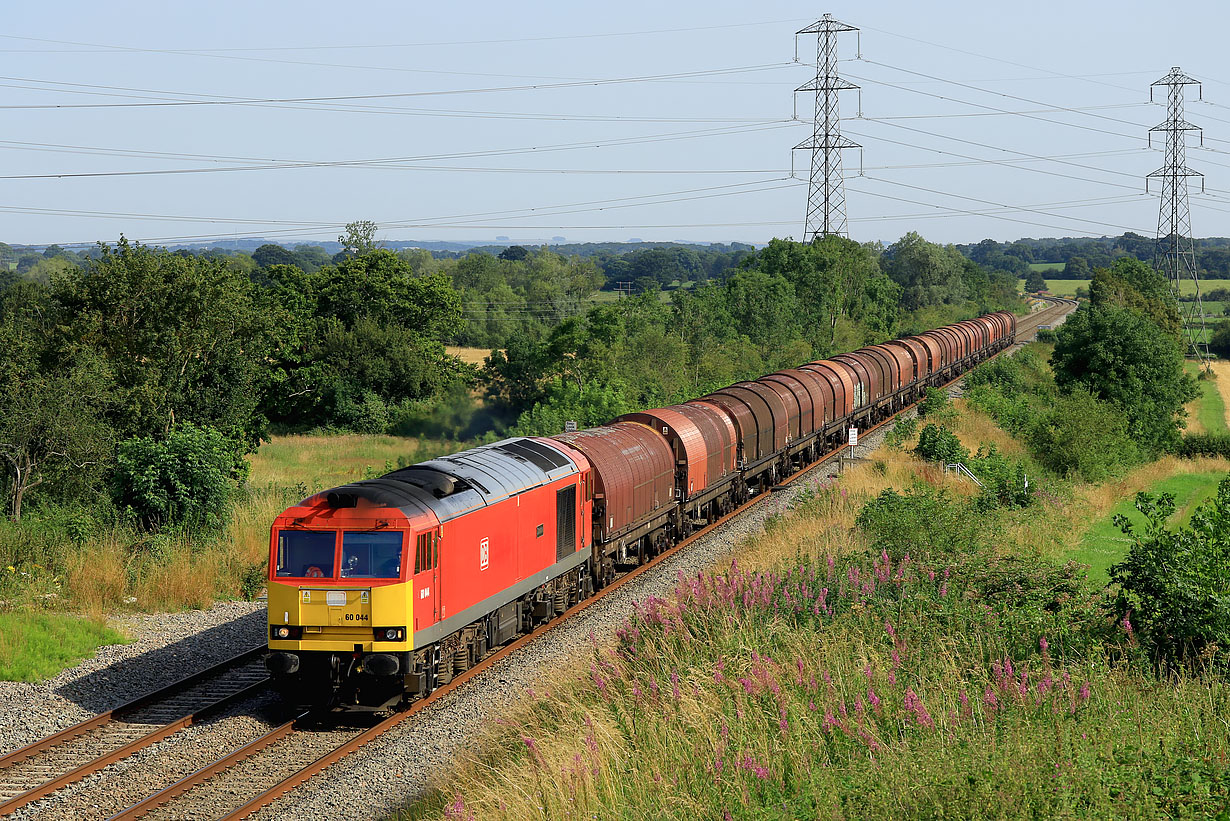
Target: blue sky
{"points": [[662, 121]]}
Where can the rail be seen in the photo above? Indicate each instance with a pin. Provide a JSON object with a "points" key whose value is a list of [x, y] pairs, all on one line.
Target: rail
{"points": [[125, 730], [266, 794]]}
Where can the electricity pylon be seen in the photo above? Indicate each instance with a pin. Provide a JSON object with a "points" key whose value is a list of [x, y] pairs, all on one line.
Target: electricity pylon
{"points": [[1174, 255], [826, 196]]}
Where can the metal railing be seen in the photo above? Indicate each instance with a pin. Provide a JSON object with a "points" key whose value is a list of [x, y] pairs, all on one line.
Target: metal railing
{"points": [[962, 471]]}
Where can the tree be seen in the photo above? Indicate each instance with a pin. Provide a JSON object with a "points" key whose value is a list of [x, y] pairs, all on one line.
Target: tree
{"points": [[380, 286], [269, 255], [1130, 283], [1035, 282], [764, 306], [1219, 341], [311, 257], [514, 253], [355, 342], [927, 273], [1076, 268], [1021, 251], [51, 431], [830, 280], [178, 335], [1123, 358], [359, 238]]}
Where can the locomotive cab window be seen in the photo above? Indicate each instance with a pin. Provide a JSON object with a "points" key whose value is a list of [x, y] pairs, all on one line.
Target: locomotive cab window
{"points": [[426, 552], [368, 555], [306, 553]]}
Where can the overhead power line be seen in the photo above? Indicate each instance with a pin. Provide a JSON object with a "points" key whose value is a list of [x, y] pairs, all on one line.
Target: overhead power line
{"points": [[420, 44], [392, 162], [396, 95]]}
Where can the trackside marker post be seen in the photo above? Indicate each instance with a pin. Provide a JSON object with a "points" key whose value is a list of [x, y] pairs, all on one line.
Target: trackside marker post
{"points": [[853, 440]]}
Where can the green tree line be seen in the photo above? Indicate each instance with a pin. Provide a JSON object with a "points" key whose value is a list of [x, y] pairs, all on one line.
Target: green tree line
{"points": [[113, 361]]}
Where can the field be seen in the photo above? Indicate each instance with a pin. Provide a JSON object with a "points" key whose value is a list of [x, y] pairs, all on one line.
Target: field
{"points": [[815, 677], [471, 356], [1104, 544], [1207, 413], [607, 297], [1067, 287], [1046, 266]]}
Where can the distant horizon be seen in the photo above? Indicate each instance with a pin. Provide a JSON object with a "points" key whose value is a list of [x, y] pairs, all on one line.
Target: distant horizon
{"points": [[457, 245]]}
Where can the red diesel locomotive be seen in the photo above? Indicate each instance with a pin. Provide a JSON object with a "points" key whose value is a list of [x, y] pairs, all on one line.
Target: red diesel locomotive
{"points": [[383, 589]]}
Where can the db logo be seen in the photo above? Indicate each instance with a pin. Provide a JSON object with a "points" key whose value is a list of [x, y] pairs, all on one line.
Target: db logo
{"points": [[483, 553]]}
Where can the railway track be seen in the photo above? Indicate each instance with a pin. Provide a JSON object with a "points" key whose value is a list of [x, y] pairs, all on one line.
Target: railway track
{"points": [[1027, 326], [39, 769], [255, 775]]}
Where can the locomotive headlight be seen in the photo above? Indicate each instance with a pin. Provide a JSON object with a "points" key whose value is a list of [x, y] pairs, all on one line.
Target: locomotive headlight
{"points": [[391, 634], [282, 632]]}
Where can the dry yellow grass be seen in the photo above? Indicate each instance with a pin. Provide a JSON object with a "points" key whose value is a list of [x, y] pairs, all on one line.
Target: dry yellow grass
{"points": [[1194, 425], [1221, 369], [327, 461], [976, 429], [471, 356], [1100, 499]]}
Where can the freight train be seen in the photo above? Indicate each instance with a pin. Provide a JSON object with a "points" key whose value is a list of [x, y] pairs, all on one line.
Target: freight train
{"points": [[382, 590]]}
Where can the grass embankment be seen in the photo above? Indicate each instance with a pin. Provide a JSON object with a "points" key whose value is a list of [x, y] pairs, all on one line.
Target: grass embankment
{"points": [[819, 677], [72, 562], [36, 646]]}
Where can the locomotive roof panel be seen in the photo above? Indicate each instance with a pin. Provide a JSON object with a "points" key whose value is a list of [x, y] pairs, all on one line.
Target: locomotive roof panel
{"points": [[451, 486]]}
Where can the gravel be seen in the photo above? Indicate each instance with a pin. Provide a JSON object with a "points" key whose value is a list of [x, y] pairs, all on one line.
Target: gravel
{"points": [[125, 782], [376, 780], [163, 648], [401, 764]]}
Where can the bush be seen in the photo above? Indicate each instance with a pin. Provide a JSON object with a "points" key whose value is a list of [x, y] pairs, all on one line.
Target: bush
{"points": [[185, 478], [1083, 436], [1219, 340], [936, 444], [935, 404], [902, 432], [1172, 585], [1003, 479], [923, 523], [1023, 372], [1015, 413], [1206, 444]]}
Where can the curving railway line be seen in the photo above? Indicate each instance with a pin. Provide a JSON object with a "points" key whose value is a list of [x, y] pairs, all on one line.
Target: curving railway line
{"points": [[39, 769], [254, 775]]}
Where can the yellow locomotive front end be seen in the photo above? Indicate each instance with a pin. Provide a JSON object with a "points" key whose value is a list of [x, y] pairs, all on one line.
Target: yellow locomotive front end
{"points": [[340, 604]]}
